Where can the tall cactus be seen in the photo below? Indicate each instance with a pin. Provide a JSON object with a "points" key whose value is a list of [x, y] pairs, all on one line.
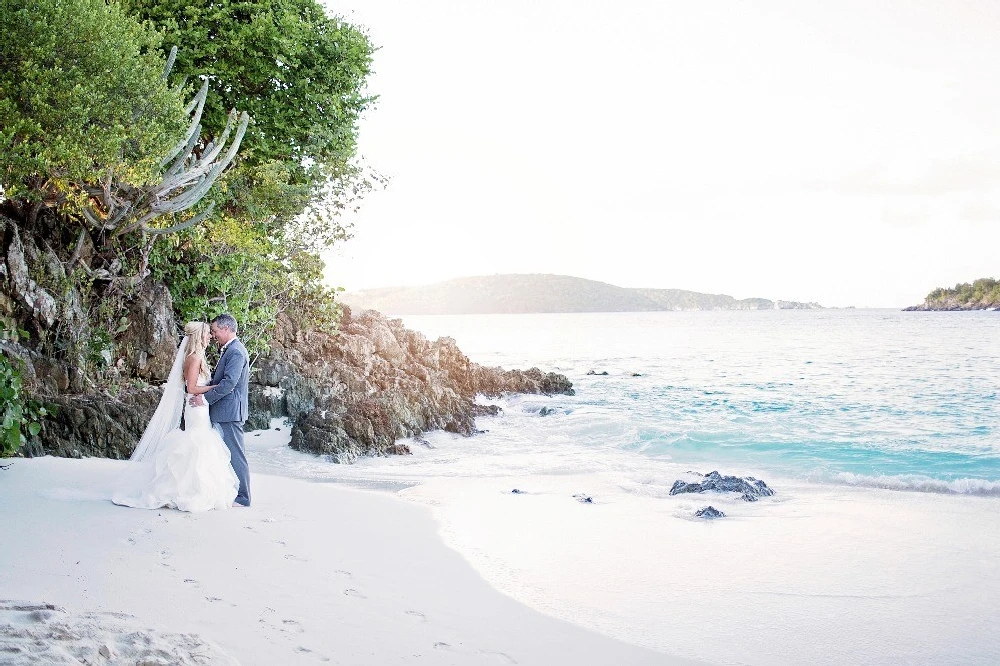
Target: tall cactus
{"points": [[187, 176]]}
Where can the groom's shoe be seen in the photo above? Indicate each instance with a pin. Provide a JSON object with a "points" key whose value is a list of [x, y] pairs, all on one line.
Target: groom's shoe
{"points": [[237, 502]]}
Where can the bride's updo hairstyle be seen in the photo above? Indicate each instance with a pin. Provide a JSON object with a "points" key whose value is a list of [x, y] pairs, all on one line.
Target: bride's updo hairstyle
{"points": [[199, 334]]}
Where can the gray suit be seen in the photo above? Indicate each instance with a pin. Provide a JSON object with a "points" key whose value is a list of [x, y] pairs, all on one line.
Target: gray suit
{"points": [[228, 409]]}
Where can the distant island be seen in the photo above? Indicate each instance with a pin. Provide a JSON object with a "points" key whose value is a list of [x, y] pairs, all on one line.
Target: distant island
{"points": [[983, 294], [537, 293]]}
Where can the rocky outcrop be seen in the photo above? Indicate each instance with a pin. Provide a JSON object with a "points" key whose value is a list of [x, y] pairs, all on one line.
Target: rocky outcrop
{"points": [[357, 392], [94, 425], [37, 300], [953, 304], [750, 488], [148, 344], [350, 394], [709, 513]]}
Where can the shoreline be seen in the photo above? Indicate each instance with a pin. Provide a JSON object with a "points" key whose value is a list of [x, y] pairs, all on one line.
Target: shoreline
{"points": [[819, 573], [313, 573], [816, 574]]}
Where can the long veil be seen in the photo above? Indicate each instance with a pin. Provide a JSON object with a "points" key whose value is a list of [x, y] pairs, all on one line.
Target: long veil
{"points": [[167, 416]]}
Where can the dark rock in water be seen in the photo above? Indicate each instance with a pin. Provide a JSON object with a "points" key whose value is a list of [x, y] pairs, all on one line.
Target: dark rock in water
{"points": [[637, 374], [750, 488], [485, 410], [594, 372], [586, 499], [517, 491], [709, 512], [545, 411], [423, 442]]}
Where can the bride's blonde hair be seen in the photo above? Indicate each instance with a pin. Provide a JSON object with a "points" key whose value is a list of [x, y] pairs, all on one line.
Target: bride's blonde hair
{"points": [[199, 334]]}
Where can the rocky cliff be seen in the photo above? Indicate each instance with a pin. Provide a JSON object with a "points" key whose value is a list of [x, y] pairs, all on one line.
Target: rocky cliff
{"points": [[357, 392], [349, 394]]}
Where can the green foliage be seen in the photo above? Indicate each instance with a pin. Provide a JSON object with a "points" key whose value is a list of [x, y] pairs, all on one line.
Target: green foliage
{"points": [[984, 292], [228, 267], [81, 93], [299, 73], [20, 417], [82, 98]]}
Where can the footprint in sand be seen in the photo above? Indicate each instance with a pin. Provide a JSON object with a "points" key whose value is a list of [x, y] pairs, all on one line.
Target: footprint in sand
{"points": [[345, 574], [440, 645], [192, 582], [501, 657], [135, 535], [281, 543], [292, 625], [417, 615], [351, 592], [213, 599], [301, 649], [295, 558]]}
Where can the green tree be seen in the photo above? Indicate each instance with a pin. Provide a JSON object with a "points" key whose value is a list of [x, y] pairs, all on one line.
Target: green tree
{"points": [[301, 76], [99, 157], [81, 94]]}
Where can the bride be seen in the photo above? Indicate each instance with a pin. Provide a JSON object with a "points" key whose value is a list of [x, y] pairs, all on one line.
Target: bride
{"points": [[185, 469]]}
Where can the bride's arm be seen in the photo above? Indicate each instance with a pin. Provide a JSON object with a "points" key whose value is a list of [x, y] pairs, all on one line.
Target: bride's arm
{"points": [[192, 368]]}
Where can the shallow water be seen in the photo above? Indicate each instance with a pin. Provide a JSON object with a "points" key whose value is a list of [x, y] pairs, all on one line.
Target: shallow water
{"points": [[895, 399]]}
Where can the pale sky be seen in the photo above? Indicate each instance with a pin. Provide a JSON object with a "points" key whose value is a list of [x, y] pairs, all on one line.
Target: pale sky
{"points": [[842, 152]]}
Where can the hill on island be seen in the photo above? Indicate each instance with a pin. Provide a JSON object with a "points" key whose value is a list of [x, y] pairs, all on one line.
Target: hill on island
{"points": [[518, 294], [982, 294]]}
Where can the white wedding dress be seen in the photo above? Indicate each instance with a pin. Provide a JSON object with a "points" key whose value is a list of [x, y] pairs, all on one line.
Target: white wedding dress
{"points": [[185, 469]]}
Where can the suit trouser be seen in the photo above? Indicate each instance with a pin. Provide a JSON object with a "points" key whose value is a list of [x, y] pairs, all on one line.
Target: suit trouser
{"points": [[232, 435]]}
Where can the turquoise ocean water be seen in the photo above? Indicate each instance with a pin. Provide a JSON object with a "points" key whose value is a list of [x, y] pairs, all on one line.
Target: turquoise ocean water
{"points": [[866, 397]]}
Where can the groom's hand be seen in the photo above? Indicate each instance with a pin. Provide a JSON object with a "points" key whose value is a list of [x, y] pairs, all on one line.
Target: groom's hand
{"points": [[196, 401]]}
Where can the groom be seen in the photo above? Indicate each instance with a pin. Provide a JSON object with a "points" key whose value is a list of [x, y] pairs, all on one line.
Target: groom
{"points": [[227, 402]]}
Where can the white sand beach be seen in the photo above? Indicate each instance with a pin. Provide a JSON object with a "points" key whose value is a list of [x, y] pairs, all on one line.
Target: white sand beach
{"points": [[312, 573], [322, 572]]}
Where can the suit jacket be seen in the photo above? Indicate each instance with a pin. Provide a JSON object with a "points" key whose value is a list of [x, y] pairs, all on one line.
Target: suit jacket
{"points": [[228, 400]]}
